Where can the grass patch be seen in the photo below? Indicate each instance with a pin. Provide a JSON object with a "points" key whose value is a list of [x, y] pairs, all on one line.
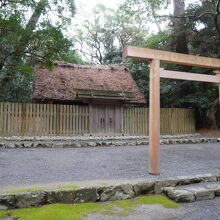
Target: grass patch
{"points": [[78, 211], [67, 187], [103, 184]]}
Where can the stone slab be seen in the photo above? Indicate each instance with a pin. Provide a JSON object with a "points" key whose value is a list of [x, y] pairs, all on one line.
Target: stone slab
{"points": [[179, 195]]}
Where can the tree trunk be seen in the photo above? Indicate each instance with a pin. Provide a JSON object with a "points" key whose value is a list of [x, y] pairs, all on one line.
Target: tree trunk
{"points": [[211, 116], [217, 25], [179, 34]]}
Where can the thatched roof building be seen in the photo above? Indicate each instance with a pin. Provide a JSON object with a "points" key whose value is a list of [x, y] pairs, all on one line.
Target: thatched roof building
{"points": [[83, 83]]}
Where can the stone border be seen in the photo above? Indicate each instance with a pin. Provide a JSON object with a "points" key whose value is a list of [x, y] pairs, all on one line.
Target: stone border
{"points": [[93, 137], [194, 192], [77, 142], [97, 193]]}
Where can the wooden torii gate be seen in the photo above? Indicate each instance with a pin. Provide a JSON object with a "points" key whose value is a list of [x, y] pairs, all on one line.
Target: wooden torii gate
{"points": [[156, 57]]}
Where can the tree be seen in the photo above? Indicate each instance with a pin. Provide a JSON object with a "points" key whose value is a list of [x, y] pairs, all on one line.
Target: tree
{"points": [[201, 22], [103, 36], [193, 30], [140, 70], [146, 11], [179, 27], [96, 35], [204, 23], [25, 39]]}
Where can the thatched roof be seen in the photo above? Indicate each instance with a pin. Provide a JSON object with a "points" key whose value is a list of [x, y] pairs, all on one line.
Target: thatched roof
{"points": [[73, 82]]}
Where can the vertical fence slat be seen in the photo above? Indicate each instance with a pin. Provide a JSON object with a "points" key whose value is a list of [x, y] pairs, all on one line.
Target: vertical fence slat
{"points": [[71, 120], [74, 119], [1, 118], [26, 118], [54, 119], [5, 119]]}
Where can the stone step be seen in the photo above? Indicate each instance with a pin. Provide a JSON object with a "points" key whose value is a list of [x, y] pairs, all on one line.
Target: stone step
{"points": [[193, 192]]}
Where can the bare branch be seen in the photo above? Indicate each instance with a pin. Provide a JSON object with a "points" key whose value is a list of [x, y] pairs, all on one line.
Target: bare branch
{"points": [[155, 19], [218, 7], [188, 16], [6, 2]]}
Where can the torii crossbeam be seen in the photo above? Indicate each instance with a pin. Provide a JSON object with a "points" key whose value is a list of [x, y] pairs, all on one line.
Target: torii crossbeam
{"points": [[155, 57]]}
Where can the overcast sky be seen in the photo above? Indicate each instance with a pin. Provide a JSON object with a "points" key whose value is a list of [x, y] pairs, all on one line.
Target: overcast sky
{"points": [[85, 7], [88, 5]]}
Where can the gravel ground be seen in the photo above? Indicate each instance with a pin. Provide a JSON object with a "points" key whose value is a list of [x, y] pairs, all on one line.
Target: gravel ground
{"points": [[40, 166], [203, 210]]}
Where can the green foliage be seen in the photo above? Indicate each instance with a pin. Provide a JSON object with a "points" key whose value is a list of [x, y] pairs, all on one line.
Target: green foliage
{"points": [[159, 41], [71, 56], [28, 36], [140, 7], [203, 36], [140, 70], [20, 89], [49, 44], [145, 11], [113, 55], [79, 211]]}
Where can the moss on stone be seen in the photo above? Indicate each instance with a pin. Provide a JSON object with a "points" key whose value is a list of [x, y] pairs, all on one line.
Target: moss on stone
{"points": [[78, 211], [32, 189], [67, 187]]}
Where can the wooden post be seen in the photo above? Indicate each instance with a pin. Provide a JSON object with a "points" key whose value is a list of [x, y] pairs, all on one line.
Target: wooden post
{"points": [[218, 74], [154, 118]]}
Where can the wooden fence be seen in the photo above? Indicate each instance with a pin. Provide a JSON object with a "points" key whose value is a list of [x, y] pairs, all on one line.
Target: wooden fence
{"points": [[18, 119], [43, 119], [172, 121]]}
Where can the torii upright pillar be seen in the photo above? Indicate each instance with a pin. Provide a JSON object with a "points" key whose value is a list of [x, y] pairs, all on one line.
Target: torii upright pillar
{"points": [[154, 118], [218, 74]]}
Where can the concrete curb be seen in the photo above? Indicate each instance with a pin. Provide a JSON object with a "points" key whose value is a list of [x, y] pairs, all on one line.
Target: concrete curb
{"points": [[99, 193]]}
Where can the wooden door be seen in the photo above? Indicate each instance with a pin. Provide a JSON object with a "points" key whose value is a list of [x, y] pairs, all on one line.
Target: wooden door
{"points": [[105, 119], [110, 119], [98, 118]]}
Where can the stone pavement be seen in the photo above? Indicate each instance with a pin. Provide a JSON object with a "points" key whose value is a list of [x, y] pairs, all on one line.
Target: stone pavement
{"points": [[202, 210], [20, 167]]}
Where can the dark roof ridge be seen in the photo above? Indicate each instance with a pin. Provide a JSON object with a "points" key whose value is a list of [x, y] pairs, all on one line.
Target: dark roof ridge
{"points": [[93, 66]]}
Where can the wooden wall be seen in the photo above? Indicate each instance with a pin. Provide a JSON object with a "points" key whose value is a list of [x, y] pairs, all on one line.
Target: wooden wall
{"points": [[18, 119]]}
